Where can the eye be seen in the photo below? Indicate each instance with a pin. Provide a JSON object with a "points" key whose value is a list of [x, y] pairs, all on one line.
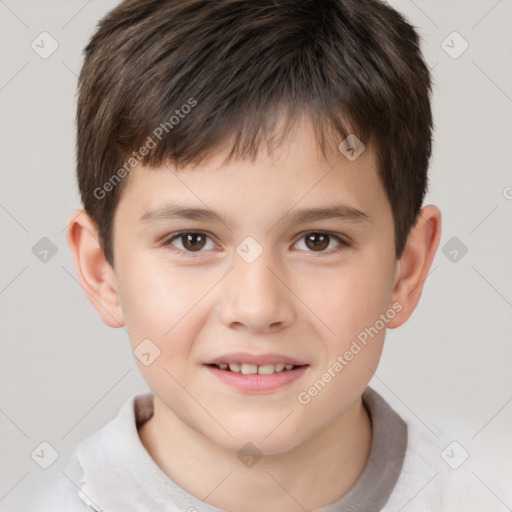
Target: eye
{"points": [[195, 241], [191, 241], [318, 241]]}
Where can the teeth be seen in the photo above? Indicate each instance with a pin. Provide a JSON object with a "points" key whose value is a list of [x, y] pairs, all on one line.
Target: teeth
{"points": [[266, 369], [247, 369]]}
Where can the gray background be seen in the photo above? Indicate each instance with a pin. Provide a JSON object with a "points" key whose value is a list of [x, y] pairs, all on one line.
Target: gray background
{"points": [[64, 374]]}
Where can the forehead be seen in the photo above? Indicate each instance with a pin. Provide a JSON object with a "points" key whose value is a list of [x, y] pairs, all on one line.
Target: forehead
{"points": [[293, 174]]}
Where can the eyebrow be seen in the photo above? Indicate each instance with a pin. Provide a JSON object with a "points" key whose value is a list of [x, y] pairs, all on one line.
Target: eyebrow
{"points": [[339, 212]]}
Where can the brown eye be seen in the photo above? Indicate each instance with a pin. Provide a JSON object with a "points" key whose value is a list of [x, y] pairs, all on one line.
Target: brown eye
{"points": [[193, 241], [317, 241], [190, 242]]}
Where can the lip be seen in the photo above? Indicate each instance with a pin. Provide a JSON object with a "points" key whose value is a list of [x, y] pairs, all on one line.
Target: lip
{"points": [[257, 359], [256, 382]]}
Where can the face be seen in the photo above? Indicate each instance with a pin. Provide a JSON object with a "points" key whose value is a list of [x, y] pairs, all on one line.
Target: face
{"points": [[260, 282]]}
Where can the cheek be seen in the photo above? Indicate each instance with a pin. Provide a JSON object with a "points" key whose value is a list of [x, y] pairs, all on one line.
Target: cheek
{"points": [[157, 301], [349, 299], [349, 305], [164, 314], [353, 333]]}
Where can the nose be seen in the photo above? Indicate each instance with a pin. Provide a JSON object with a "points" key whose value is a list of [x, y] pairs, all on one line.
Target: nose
{"points": [[256, 296]]}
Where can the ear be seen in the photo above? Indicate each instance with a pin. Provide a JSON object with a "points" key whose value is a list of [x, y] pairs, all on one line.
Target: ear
{"points": [[415, 261], [94, 272]]}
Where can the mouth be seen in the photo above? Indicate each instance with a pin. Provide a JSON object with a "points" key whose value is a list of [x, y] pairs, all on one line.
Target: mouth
{"points": [[252, 369], [256, 378]]}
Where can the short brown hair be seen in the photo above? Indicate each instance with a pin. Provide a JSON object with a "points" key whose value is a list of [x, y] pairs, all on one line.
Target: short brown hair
{"points": [[236, 63]]}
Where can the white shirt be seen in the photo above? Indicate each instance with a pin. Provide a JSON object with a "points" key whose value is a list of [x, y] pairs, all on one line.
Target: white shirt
{"points": [[111, 471]]}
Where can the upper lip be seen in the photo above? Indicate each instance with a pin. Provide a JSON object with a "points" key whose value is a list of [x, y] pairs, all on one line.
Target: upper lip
{"points": [[257, 359]]}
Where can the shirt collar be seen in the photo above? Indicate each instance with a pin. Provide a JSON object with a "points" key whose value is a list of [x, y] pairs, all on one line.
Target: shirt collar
{"points": [[119, 473]]}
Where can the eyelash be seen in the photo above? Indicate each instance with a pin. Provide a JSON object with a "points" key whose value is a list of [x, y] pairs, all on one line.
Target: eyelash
{"points": [[343, 243]]}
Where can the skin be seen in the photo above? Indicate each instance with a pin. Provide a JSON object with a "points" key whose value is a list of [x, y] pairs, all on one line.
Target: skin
{"points": [[294, 299]]}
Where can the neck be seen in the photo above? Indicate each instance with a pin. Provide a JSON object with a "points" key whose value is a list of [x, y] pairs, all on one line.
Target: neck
{"points": [[310, 476]]}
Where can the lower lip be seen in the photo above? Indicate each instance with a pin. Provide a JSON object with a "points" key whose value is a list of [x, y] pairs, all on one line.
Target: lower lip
{"points": [[256, 381]]}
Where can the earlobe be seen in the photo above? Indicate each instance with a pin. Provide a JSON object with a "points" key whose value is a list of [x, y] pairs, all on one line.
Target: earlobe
{"points": [[415, 262], [93, 271]]}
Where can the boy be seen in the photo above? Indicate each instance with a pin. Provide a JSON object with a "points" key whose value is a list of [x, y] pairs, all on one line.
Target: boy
{"points": [[252, 176]]}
